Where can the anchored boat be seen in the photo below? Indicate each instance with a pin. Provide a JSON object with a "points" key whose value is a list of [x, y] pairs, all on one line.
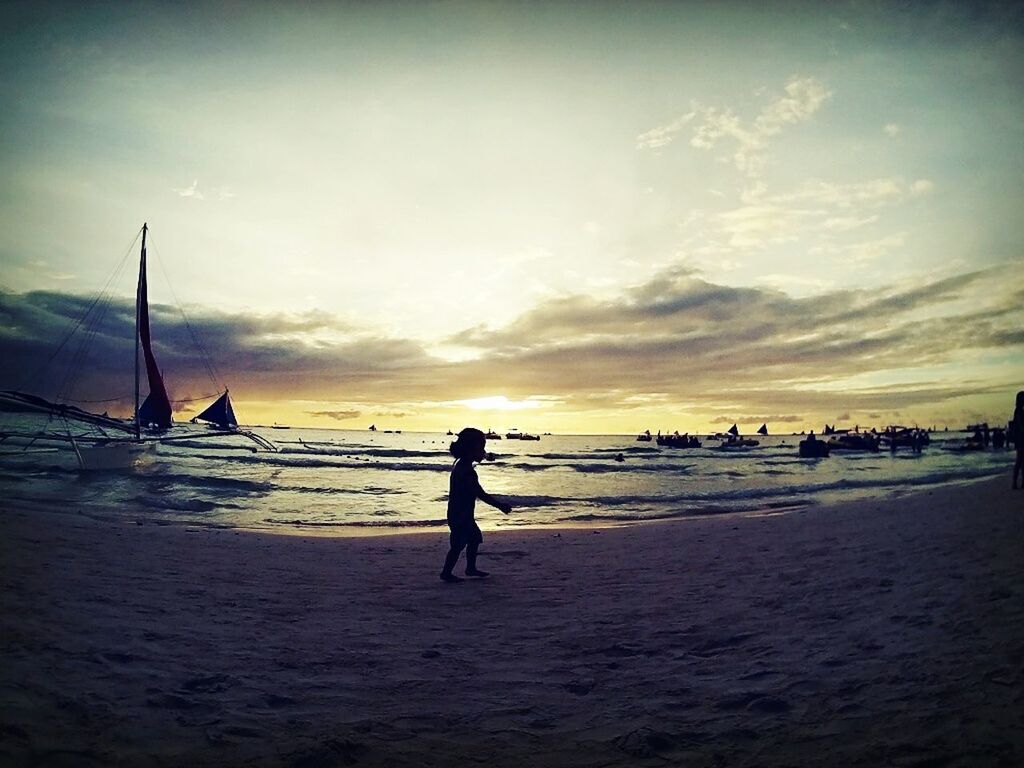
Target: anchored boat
{"points": [[99, 441]]}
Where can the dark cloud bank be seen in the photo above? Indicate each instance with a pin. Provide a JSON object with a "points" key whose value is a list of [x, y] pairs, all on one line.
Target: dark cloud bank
{"points": [[675, 339]]}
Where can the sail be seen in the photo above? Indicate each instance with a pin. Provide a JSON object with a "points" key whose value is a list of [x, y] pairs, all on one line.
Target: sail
{"points": [[156, 410], [733, 430], [220, 413], [763, 430]]}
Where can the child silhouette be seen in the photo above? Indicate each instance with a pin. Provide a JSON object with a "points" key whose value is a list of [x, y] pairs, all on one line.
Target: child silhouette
{"points": [[463, 491]]}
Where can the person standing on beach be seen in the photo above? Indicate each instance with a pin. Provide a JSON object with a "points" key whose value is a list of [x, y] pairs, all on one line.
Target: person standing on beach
{"points": [[463, 491], [1017, 435]]}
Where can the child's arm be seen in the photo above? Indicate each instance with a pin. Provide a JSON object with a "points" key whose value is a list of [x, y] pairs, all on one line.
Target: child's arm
{"points": [[486, 498]]}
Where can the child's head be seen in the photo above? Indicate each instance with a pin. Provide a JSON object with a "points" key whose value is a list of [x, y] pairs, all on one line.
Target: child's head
{"points": [[469, 445], [1020, 401]]}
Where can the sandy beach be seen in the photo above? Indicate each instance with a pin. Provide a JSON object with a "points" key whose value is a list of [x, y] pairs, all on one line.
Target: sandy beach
{"points": [[869, 633]]}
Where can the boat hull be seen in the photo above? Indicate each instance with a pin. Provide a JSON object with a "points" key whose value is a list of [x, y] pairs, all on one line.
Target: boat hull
{"points": [[111, 456]]}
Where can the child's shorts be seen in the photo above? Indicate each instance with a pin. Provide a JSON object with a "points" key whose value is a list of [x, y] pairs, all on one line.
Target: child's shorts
{"points": [[466, 533]]}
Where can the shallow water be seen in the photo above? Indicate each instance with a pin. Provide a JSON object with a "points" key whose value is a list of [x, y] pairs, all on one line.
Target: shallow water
{"points": [[343, 481]]}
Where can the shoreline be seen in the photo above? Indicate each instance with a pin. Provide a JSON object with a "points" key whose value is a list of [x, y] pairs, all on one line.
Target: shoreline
{"points": [[871, 631], [363, 530]]}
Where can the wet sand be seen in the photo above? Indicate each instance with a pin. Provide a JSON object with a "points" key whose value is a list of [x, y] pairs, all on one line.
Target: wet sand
{"points": [[869, 633]]}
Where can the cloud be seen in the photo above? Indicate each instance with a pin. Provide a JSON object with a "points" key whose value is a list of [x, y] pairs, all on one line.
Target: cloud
{"points": [[891, 130], [272, 355], [191, 191], [819, 211], [337, 415], [675, 338], [663, 135], [847, 223], [756, 226], [746, 419], [872, 193], [802, 98]]}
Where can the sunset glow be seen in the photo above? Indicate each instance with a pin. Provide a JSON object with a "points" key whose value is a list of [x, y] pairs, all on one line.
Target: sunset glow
{"points": [[594, 218]]}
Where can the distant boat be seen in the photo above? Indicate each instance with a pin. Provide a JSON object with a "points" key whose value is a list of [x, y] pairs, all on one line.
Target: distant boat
{"points": [[528, 436], [734, 442], [812, 448], [644, 437], [373, 427], [763, 430], [734, 431], [151, 420], [848, 442], [449, 432], [676, 440], [492, 435], [895, 436], [513, 434], [279, 426]]}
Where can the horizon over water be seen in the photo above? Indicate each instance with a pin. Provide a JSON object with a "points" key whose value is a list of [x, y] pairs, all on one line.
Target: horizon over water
{"points": [[347, 482]]}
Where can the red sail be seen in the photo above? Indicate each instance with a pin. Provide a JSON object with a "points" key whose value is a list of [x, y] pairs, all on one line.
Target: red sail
{"points": [[156, 410]]}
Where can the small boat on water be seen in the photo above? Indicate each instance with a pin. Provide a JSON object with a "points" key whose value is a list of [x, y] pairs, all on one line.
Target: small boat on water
{"points": [[738, 443], [853, 442], [492, 435], [644, 437], [732, 440], [675, 440], [896, 436], [515, 434], [812, 448]]}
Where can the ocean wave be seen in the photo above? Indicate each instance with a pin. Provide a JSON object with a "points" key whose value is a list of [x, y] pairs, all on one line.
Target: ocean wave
{"points": [[211, 482], [698, 511], [358, 523], [597, 469], [326, 491], [279, 460], [540, 501], [348, 451], [594, 453], [938, 477], [176, 505]]}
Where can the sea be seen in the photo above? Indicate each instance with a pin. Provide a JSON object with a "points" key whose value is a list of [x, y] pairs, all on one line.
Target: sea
{"points": [[347, 482]]}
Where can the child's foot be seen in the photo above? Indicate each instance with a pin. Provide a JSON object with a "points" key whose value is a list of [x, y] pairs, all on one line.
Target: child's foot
{"points": [[451, 578], [479, 574]]}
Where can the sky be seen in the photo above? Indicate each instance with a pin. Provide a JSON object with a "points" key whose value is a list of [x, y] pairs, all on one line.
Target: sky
{"points": [[562, 217]]}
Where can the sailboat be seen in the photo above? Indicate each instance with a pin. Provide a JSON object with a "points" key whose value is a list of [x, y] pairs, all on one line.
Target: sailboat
{"points": [[137, 437], [221, 415], [735, 441], [763, 429]]}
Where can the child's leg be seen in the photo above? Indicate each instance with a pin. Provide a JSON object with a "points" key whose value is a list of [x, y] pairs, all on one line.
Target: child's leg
{"points": [[471, 569], [451, 559]]}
